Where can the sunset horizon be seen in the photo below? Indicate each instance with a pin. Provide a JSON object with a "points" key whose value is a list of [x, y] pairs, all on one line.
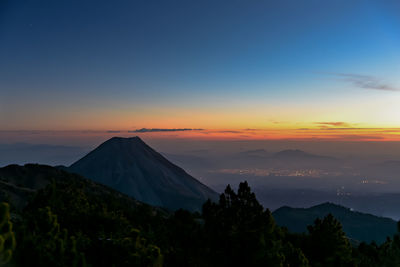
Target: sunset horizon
{"points": [[200, 133], [333, 72]]}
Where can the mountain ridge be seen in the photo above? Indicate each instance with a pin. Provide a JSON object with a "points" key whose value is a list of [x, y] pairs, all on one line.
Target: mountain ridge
{"points": [[357, 225], [134, 168], [297, 153]]}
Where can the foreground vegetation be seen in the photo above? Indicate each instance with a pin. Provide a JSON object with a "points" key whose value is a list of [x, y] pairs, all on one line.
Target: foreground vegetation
{"points": [[68, 223]]}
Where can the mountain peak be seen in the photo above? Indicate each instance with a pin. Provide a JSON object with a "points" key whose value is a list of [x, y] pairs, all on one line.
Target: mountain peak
{"points": [[125, 139], [329, 205], [134, 168], [299, 154], [291, 153]]}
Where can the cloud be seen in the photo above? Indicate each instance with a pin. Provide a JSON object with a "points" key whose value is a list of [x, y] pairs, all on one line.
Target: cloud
{"points": [[333, 124], [366, 81], [222, 132], [359, 137], [153, 130], [229, 131]]}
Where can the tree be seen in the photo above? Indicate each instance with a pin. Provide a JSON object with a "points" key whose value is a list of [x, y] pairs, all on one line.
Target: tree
{"points": [[240, 231], [130, 250], [389, 252], [44, 243], [328, 244], [367, 255], [7, 238]]}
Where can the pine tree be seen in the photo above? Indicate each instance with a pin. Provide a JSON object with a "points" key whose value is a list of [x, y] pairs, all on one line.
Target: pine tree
{"points": [[328, 244], [46, 244], [7, 238], [241, 232]]}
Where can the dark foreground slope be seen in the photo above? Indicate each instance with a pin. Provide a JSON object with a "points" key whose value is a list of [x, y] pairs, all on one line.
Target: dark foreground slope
{"points": [[63, 219], [132, 167], [19, 184], [357, 226], [73, 221]]}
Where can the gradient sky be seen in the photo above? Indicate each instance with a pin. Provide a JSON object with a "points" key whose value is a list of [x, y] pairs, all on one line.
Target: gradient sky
{"points": [[289, 69]]}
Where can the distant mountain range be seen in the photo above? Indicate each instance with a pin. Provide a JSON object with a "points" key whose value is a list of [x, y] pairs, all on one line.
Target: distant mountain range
{"points": [[357, 226], [256, 153], [134, 168], [22, 153], [298, 154]]}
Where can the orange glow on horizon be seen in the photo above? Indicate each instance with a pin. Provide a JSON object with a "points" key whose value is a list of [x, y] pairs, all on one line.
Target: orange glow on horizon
{"points": [[317, 131], [298, 134], [306, 134]]}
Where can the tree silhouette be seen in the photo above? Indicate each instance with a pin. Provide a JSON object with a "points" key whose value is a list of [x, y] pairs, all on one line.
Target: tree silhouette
{"points": [[328, 244], [240, 231], [44, 243], [7, 238]]}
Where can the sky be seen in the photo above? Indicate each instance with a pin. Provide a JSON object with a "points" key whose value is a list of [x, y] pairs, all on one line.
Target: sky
{"points": [[303, 70]]}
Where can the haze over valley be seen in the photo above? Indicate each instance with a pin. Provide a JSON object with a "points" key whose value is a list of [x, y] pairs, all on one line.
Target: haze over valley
{"points": [[361, 176]]}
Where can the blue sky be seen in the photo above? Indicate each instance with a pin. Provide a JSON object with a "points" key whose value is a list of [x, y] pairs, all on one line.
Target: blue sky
{"points": [[123, 64]]}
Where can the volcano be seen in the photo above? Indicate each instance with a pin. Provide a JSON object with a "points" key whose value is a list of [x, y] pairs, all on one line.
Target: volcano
{"points": [[132, 167]]}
